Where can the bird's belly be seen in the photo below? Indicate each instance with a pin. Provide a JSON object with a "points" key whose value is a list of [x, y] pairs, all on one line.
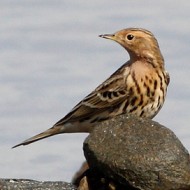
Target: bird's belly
{"points": [[151, 107]]}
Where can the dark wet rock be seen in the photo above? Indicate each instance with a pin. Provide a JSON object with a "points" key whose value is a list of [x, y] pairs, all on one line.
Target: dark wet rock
{"points": [[26, 184], [138, 152]]}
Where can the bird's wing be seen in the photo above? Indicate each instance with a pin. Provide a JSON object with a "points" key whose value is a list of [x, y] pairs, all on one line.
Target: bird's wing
{"points": [[106, 96]]}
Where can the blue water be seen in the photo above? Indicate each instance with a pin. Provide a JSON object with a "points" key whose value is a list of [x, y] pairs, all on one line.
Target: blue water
{"points": [[51, 57]]}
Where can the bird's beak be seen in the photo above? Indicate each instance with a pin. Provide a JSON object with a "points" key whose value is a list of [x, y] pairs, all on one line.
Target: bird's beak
{"points": [[108, 36], [115, 37]]}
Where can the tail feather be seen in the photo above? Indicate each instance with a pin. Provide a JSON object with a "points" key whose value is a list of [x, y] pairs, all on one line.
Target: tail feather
{"points": [[50, 132]]}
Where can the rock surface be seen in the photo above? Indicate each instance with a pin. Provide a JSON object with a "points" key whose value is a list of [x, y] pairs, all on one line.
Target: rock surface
{"points": [[26, 184], [138, 152]]}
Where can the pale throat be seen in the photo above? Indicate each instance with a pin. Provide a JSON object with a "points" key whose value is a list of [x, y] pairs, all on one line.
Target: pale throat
{"points": [[141, 69]]}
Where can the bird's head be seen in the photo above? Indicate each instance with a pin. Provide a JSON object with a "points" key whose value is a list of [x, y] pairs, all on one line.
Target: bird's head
{"points": [[139, 43]]}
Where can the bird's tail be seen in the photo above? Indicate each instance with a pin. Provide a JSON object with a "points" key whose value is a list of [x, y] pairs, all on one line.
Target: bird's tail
{"points": [[50, 132]]}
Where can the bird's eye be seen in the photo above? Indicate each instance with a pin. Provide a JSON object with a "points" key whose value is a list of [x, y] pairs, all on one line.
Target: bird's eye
{"points": [[130, 36]]}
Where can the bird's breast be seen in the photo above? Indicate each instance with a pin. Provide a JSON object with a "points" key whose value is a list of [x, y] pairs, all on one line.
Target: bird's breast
{"points": [[147, 92]]}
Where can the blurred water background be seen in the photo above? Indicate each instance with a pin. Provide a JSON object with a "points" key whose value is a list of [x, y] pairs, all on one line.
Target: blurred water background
{"points": [[51, 57]]}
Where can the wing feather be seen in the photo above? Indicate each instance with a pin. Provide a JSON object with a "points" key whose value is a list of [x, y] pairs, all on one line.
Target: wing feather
{"points": [[106, 96]]}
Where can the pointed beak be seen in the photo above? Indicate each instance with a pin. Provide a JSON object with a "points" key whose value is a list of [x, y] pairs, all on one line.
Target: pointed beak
{"points": [[108, 36], [117, 37]]}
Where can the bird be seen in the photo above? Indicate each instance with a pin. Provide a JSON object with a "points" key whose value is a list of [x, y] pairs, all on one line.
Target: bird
{"points": [[138, 87]]}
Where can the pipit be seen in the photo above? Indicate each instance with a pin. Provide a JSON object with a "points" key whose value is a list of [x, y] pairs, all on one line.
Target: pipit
{"points": [[138, 87]]}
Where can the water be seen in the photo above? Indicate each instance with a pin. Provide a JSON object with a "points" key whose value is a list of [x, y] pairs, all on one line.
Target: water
{"points": [[51, 57]]}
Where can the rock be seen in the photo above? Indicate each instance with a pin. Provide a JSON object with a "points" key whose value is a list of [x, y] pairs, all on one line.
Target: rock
{"points": [[138, 152], [26, 184], [80, 174], [94, 180]]}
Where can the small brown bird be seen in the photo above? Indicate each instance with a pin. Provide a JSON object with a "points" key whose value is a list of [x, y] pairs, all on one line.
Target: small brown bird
{"points": [[137, 87]]}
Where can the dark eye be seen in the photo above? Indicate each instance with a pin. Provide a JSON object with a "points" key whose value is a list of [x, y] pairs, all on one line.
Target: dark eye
{"points": [[130, 36]]}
